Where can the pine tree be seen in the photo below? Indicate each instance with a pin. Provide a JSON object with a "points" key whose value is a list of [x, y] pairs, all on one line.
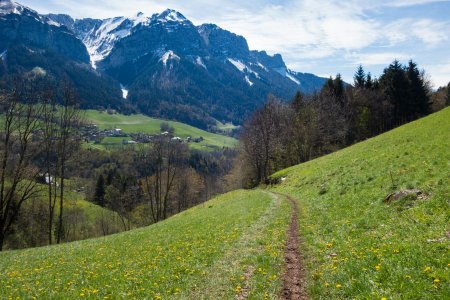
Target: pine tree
{"points": [[99, 195], [360, 78], [298, 102], [395, 85], [419, 101], [369, 82], [338, 85], [329, 86]]}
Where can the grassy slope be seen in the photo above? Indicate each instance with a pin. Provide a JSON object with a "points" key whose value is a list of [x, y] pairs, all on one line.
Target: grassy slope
{"points": [[144, 124], [201, 253], [382, 250]]}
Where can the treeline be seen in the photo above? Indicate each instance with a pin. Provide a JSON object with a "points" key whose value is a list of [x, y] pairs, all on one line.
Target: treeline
{"points": [[148, 184], [46, 175], [280, 135]]}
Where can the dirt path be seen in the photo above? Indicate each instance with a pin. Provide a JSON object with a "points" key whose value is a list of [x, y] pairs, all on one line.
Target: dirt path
{"points": [[294, 276]]}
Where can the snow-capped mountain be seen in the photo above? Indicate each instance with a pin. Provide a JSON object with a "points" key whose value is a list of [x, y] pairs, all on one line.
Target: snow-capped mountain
{"points": [[162, 64], [29, 40]]}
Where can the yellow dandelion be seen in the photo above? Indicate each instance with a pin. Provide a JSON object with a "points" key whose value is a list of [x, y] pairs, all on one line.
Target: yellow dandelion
{"points": [[378, 267], [338, 286], [436, 280], [427, 269]]}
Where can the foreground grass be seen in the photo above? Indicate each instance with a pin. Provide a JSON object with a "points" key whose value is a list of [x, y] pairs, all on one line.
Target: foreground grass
{"points": [[356, 246], [144, 124], [207, 249]]}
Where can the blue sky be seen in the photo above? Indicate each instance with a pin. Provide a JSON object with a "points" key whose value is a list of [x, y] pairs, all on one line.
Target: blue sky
{"points": [[323, 37]]}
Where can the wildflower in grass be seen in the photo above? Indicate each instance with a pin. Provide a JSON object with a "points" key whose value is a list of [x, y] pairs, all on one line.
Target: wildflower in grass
{"points": [[436, 280], [338, 286], [238, 289], [427, 269], [378, 267], [384, 298], [329, 245]]}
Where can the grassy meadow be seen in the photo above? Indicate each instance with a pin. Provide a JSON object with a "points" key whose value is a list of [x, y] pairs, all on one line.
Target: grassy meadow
{"points": [[356, 246], [228, 246], [145, 124]]}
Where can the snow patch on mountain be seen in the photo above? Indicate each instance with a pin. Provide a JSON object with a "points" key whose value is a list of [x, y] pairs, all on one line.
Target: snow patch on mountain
{"points": [[3, 55], [248, 80], [10, 7], [170, 15], [242, 67], [199, 62], [53, 23], [100, 41], [238, 64], [169, 55], [124, 92], [290, 75], [262, 66]]}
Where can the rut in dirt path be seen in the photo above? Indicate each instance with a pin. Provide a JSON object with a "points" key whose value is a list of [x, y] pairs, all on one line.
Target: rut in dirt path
{"points": [[294, 276]]}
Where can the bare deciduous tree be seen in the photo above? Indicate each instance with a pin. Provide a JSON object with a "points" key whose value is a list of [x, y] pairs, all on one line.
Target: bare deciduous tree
{"points": [[18, 176]]}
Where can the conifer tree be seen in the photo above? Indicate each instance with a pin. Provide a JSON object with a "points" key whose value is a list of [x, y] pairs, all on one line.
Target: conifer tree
{"points": [[99, 195], [419, 100], [360, 77], [369, 81], [338, 85], [298, 102], [395, 85]]}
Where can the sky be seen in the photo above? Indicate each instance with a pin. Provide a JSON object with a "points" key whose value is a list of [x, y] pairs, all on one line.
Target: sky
{"points": [[323, 37]]}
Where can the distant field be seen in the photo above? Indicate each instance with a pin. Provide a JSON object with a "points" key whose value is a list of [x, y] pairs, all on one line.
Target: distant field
{"points": [[205, 252], [356, 246], [145, 124]]}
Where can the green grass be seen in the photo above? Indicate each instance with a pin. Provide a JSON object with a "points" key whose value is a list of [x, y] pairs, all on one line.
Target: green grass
{"points": [[395, 251], [145, 124], [208, 250]]}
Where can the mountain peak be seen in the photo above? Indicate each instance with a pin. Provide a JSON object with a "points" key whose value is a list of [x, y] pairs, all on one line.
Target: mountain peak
{"points": [[11, 7], [170, 15]]}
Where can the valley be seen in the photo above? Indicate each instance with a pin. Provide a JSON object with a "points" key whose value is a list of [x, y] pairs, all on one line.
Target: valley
{"points": [[352, 244], [176, 153]]}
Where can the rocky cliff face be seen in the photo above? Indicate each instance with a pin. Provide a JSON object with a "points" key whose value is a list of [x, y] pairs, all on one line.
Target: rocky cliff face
{"points": [[30, 41], [20, 24]]}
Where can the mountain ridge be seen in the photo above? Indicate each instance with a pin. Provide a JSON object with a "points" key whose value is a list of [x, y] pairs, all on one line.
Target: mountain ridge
{"points": [[165, 66]]}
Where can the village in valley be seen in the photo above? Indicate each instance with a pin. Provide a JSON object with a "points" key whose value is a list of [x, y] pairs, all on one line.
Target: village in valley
{"points": [[91, 133]]}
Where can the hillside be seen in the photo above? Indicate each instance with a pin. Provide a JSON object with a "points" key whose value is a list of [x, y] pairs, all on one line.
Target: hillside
{"points": [[353, 245], [356, 246], [204, 252], [143, 124]]}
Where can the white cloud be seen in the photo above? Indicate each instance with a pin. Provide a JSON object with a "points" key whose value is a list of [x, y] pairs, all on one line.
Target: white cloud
{"points": [[430, 32], [439, 73], [376, 59]]}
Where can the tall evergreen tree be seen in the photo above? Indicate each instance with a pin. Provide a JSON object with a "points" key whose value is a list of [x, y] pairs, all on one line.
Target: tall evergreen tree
{"points": [[395, 85], [298, 102], [419, 101], [369, 81], [360, 77], [99, 194], [338, 85]]}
